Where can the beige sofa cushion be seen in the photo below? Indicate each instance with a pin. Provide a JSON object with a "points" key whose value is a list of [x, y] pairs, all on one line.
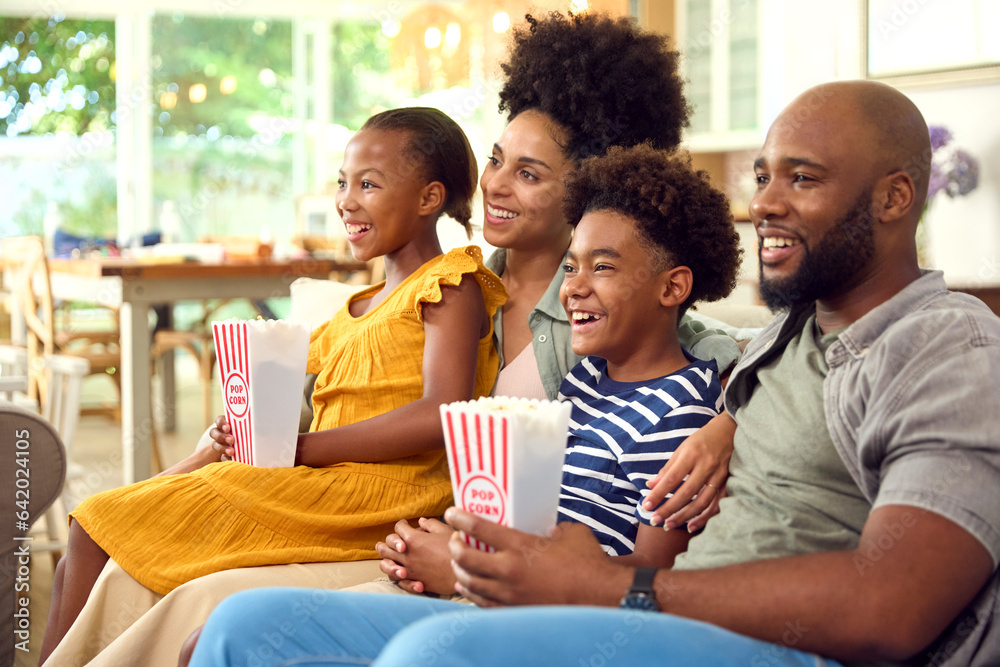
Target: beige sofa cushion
{"points": [[740, 321], [316, 301]]}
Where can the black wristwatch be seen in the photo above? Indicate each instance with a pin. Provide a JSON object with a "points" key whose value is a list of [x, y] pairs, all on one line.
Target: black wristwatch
{"points": [[641, 595]]}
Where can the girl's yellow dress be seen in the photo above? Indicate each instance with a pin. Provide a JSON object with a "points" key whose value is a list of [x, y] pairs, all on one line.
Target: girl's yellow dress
{"points": [[165, 531]]}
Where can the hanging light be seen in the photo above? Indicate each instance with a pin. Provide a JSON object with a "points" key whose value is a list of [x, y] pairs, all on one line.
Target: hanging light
{"points": [[453, 35], [432, 38], [501, 22], [197, 93], [168, 100], [432, 49]]}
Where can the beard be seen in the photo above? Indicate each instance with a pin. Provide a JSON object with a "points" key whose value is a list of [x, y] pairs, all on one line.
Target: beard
{"points": [[831, 268]]}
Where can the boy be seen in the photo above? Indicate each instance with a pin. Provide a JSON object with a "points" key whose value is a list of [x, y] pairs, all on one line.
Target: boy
{"points": [[652, 237]]}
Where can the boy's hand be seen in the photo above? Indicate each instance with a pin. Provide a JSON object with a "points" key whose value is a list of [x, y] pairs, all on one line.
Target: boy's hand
{"points": [[701, 462], [222, 441], [418, 558], [567, 567]]}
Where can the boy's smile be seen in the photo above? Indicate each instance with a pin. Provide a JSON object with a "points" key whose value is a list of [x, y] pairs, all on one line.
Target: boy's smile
{"points": [[580, 320]]}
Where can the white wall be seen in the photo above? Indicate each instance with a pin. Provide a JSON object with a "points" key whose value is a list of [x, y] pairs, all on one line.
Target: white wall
{"points": [[965, 232]]}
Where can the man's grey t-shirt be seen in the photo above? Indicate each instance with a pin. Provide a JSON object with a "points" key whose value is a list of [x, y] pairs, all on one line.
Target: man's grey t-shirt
{"points": [[911, 401], [788, 492]]}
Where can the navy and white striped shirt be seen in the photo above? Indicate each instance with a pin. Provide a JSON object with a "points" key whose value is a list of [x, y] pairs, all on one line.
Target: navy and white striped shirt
{"points": [[620, 435]]}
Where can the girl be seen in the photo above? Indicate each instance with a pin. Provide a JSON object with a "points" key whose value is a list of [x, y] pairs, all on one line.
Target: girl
{"points": [[386, 362]]}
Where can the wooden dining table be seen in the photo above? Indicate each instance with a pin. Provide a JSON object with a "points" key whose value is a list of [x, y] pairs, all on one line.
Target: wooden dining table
{"points": [[133, 286]]}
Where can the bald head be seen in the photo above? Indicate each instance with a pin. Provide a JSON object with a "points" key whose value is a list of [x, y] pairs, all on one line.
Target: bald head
{"points": [[890, 131]]}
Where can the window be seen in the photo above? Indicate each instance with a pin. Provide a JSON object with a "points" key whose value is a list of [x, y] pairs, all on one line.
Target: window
{"points": [[57, 125], [721, 59], [219, 119], [222, 125]]}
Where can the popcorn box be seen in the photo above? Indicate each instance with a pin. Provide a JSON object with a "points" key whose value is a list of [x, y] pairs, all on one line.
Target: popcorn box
{"points": [[506, 456], [262, 364]]}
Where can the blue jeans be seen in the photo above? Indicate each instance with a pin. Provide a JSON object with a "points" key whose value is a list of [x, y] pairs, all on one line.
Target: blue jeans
{"points": [[305, 627]]}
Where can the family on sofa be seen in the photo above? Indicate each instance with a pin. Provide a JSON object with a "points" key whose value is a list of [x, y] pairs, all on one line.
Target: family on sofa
{"points": [[811, 514]]}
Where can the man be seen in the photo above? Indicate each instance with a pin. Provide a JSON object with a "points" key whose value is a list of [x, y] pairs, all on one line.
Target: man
{"points": [[862, 517]]}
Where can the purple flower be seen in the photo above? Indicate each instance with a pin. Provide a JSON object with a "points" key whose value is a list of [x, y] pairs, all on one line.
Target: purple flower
{"points": [[938, 181], [964, 175], [940, 136], [953, 170]]}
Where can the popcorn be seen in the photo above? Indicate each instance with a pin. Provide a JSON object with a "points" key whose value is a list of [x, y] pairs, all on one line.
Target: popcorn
{"points": [[262, 364], [505, 456]]}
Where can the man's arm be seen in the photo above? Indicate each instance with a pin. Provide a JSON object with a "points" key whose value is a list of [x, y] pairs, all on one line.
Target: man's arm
{"points": [[913, 572], [655, 547]]}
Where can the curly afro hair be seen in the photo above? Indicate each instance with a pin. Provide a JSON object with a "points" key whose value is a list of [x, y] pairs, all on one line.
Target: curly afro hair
{"points": [[679, 215], [605, 81]]}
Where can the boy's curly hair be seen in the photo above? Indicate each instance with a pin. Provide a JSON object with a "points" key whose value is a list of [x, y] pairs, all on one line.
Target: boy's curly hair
{"points": [[679, 216], [616, 84]]}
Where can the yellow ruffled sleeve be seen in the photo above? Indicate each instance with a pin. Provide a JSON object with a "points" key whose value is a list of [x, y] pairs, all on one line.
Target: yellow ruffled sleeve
{"points": [[451, 269], [314, 361]]}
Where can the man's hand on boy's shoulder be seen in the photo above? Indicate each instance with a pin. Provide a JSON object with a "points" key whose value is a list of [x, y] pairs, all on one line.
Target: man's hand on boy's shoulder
{"points": [[567, 567]]}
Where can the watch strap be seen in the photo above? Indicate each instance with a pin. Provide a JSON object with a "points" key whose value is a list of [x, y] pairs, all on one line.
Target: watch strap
{"points": [[643, 580], [641, 595]]}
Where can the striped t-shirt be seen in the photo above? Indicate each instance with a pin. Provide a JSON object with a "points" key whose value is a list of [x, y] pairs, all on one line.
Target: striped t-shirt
{"points": [[620, 435]]}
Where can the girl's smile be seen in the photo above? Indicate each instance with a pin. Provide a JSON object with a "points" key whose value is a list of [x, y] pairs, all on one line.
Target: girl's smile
{"points": [[378, 196]]}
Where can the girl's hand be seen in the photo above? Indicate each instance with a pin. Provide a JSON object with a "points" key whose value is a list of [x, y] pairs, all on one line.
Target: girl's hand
{"points": [[703, 461], [198, 459], [418, 558], [222, 440]]}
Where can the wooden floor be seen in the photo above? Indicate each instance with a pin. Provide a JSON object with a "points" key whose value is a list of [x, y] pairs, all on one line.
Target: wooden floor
{"points": [[97, 443]]}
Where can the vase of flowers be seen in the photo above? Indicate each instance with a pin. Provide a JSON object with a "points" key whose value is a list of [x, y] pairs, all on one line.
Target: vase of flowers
{"points": [[954, 172]]}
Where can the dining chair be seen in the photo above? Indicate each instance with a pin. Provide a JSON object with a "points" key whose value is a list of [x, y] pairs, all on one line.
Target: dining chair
{"points": [[13, 371], [60, 407], [48, 334], [99, 348], [200, 344]]}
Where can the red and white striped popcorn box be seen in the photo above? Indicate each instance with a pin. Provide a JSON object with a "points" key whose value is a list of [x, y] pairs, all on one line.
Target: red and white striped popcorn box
{"points": [[505, 456], [262, 364]]}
